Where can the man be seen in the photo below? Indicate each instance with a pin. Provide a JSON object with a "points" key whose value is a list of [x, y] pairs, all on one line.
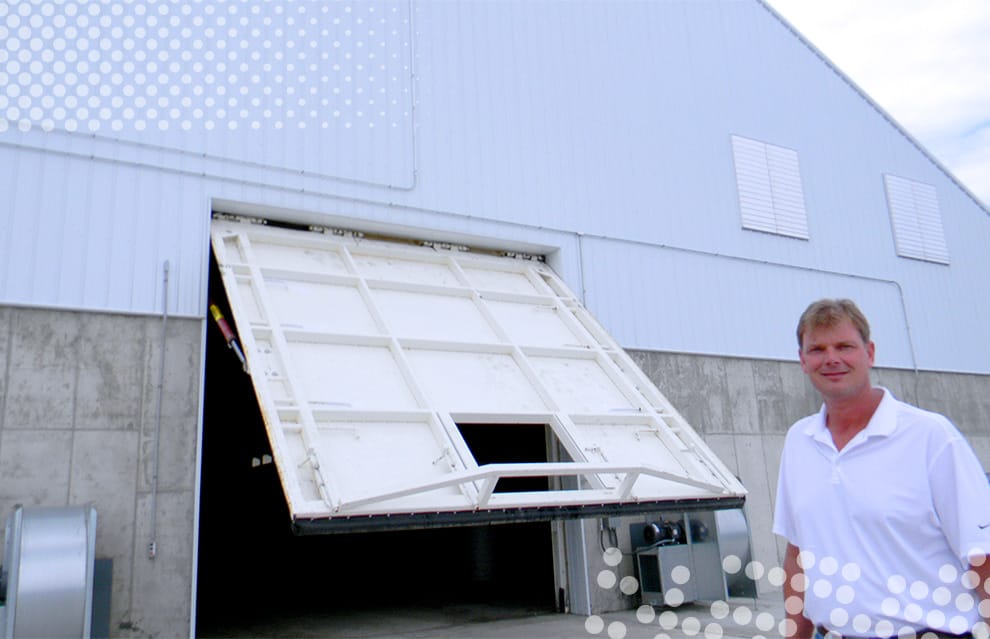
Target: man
{"points": [[885, 507]]}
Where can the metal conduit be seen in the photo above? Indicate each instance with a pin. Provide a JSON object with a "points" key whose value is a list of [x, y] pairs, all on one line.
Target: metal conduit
{"points": [[153, 543]]}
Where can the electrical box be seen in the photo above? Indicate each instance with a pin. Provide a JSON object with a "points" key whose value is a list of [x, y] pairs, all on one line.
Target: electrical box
{"points": [[679, 557]]}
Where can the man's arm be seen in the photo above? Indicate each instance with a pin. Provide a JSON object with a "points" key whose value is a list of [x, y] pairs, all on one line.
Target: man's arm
{"points": [[981, 566], [797, 625]]}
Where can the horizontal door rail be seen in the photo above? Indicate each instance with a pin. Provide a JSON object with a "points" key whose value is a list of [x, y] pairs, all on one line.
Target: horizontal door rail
{"points": [[489, 474]]}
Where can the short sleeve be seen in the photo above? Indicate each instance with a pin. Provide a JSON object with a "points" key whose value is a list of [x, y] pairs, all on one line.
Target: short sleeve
{"points": [[961, 497], [783, 514]]}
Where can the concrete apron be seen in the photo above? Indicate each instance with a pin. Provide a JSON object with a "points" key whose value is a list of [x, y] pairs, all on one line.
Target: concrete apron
{"points": [[735, 618]]}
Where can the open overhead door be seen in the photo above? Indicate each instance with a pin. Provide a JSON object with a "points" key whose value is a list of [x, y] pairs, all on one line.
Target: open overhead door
{"points": [[373, 360]]}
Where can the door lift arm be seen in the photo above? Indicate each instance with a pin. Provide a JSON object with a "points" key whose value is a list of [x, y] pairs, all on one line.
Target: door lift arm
{"points": [[228, 334]]}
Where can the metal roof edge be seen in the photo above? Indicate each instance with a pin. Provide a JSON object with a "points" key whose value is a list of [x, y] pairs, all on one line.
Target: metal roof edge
{"points": [[879, 109]]}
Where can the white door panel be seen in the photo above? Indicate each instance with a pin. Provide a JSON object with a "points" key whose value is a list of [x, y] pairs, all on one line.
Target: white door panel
{"points": [[365, 354]]}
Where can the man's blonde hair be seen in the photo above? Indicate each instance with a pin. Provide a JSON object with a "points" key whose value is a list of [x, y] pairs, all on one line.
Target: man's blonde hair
{"points": [[828, 313]]}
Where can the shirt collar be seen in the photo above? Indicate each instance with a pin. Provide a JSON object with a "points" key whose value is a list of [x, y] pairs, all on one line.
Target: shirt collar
{"points": [[882, 424]]}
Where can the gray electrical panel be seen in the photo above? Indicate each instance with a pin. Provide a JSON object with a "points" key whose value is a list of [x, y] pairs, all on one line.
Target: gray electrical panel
{"points": [[679, 557]]}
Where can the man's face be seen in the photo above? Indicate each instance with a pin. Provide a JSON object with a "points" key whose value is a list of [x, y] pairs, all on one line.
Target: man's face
{"points": [[836, 360]]}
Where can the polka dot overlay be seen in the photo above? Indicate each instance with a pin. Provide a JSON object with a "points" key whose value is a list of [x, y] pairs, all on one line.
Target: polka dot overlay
{"points": [[151, 65]]}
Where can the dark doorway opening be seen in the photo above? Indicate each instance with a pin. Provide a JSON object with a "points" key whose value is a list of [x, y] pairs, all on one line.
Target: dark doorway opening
{"points": [[255, 576], [510, 443]]}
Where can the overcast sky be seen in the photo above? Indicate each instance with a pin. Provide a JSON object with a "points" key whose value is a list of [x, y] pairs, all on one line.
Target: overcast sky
{"points": [[926, 62]]}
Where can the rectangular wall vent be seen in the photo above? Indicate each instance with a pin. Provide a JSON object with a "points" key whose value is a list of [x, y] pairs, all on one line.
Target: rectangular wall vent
{"points": [[916, 220], [770, 195]]}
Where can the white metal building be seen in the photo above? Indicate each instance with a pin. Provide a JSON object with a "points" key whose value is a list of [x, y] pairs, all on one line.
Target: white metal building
{"points": [[479, 214]]}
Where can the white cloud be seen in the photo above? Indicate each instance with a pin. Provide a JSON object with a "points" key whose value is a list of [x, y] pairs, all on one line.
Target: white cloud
{"points": [[926, 63]]}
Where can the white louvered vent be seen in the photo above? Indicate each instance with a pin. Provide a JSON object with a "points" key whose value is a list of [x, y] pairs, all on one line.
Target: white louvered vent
{"points": [[770, 195], [916, 220]]}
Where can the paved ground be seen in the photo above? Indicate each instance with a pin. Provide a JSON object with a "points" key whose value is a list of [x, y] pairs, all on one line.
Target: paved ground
{"points": [[735, 618]]}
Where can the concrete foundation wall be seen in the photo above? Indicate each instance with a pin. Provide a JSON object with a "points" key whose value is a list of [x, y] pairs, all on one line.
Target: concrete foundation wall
{"points": [[743, 408], [78, 406], [78, 415]]}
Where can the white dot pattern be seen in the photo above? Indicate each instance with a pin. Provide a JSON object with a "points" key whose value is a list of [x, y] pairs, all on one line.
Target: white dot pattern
{"points": [[680, 575], [714, 631], [919, 590], [964, 602], [594, 624], [958, 624], [667, 620], [896, 584], [822, 588], [673, 597], [901, 602], [731, 564], [845, 594], [765, 621], [720, 609], [913, 612], [838, 617], [861, 623], [851, 572], [645, 614], [629, 585], [941, 596], [606, 579], [776, 576], [948, 573], [828, 566], [616, 630], [754, 570], [612, 556], [102, 65], [742, 615], [691, 626]]}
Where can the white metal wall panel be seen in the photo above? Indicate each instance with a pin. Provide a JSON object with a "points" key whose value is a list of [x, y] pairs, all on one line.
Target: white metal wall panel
{"points": [[328, 83], [748, 307], [362, 413], [541, 141], [94, 235]]}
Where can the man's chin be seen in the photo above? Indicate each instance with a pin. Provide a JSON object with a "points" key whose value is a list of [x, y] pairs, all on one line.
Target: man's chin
{"points": [[826, 384], [834, 386]]}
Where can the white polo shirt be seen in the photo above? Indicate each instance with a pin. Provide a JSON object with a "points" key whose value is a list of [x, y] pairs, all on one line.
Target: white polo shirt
{"points": [[886, 525]]}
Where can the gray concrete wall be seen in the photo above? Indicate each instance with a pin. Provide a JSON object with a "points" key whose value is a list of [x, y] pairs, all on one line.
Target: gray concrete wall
{"points": [[78, 399], [78, 406]]}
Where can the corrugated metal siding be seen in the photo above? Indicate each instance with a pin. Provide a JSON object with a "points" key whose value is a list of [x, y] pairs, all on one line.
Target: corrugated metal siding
{"points": [[322, 88], [717, 304], [533, 121], [95, 235]]}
